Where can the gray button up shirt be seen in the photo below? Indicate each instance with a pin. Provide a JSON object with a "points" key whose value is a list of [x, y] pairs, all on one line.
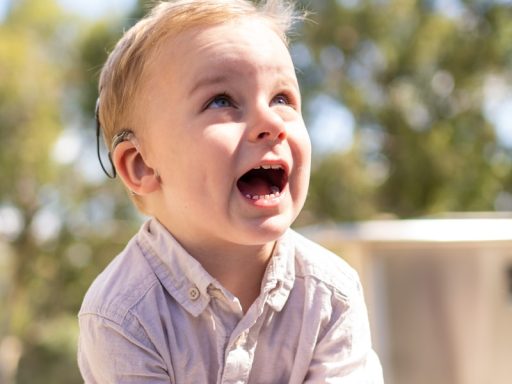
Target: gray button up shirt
{"points": [[156, 316]]}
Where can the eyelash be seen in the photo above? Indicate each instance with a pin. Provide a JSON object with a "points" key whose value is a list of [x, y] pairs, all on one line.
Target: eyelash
{"points": [[222, 96], [288, 101], [282, 97]]}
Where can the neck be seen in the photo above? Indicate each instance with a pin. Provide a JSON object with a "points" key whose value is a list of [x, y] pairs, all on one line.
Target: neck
{"points": [[239, 269]]}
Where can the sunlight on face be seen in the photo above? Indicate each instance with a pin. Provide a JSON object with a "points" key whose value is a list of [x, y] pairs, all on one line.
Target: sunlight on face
{"points": [[223, 126]]}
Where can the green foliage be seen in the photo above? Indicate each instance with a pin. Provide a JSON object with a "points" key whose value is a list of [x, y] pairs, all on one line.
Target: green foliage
{"points": [[56, 225], [412, 76], [340, 189]]}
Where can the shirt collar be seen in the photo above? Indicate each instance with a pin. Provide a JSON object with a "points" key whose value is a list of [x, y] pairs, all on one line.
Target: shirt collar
{"points": [[280, 275], [184, 277], [180, 274]]}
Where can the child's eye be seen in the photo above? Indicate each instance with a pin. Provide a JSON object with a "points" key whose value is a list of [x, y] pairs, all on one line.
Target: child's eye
{"points": [[281, 100], [220, 101]]}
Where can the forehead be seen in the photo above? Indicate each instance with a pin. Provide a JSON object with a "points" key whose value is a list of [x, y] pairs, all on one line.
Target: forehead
{"points": [[244, 46]]}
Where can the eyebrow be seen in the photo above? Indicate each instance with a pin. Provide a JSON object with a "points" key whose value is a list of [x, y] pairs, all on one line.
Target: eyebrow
{"points": [[226, 77], [208, 81]]}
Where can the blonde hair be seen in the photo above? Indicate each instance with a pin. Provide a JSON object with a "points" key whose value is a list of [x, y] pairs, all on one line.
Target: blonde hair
{"points": [[122, 73]]}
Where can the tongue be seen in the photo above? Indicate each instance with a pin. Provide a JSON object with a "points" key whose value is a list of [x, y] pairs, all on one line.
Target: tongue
{"points": [[254, 186]]}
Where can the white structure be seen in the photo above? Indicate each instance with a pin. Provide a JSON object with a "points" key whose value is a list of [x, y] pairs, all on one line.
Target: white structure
{"points": [[439, 293]]}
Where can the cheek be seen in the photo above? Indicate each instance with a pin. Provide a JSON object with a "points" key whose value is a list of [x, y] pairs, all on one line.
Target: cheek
{"points": [[214, 159], [303, 157], [301, 148], [220, 145], [307, 148], [301, 151]]}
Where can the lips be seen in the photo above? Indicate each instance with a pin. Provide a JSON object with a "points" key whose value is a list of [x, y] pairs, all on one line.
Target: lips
{"points": [[266, 181]]}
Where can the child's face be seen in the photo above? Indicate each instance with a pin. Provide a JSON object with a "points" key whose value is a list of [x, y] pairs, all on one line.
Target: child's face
{"points": [[221, 101]]}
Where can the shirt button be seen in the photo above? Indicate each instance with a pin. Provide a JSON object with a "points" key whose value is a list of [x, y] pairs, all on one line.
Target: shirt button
{"points": [[193, 293]]}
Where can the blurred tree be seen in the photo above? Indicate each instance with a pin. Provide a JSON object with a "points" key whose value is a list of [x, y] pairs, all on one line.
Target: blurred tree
{"points": [[30, 94], [55, 215], [414, 74]]}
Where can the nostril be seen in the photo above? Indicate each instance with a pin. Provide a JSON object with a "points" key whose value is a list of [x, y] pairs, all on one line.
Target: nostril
{"points": [[280, 135]]}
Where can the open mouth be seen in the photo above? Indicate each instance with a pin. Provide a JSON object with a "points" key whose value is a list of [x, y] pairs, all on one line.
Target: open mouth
{"points": [[264, 182]]}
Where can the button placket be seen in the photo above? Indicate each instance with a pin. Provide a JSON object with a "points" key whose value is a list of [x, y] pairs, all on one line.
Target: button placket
{"points": [[241, 340]]}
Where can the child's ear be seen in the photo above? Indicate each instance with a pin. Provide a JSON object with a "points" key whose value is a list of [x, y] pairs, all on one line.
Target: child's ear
{"points": [[137, 176]]}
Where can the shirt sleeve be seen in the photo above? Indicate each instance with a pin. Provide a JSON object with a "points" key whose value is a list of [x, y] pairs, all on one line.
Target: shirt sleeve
{"points": [[344, 355], [108, 354]]}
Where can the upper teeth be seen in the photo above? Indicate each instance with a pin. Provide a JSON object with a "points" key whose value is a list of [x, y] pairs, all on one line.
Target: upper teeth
{"points": [[268, 166]]}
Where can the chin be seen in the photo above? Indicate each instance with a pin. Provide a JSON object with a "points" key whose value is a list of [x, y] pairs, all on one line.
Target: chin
{"points": [[267, 231]]}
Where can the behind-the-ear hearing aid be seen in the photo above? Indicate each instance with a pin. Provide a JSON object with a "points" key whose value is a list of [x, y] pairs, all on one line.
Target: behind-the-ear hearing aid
{"points": [[124, 135]]}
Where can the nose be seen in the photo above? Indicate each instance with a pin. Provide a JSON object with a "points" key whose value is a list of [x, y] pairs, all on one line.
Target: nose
{"points": [[267, 125]]}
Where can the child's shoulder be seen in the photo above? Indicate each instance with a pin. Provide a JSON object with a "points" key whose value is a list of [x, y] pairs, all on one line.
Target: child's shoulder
{"points": [[121, 285], [314, 261]]}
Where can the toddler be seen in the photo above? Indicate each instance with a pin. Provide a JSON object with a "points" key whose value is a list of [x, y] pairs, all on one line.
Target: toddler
{"points": [[200, 107]]}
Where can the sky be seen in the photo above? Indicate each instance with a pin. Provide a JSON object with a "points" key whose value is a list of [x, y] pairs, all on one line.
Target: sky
{"points": [[3, 8], [96, 8], [91, 9]]}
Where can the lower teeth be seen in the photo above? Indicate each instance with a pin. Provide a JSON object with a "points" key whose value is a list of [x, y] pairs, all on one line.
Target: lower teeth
{"points": [[264, 197]]}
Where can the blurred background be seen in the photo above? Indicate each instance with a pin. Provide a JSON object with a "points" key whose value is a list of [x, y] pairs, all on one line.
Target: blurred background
{"points": [[409, 107]]}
